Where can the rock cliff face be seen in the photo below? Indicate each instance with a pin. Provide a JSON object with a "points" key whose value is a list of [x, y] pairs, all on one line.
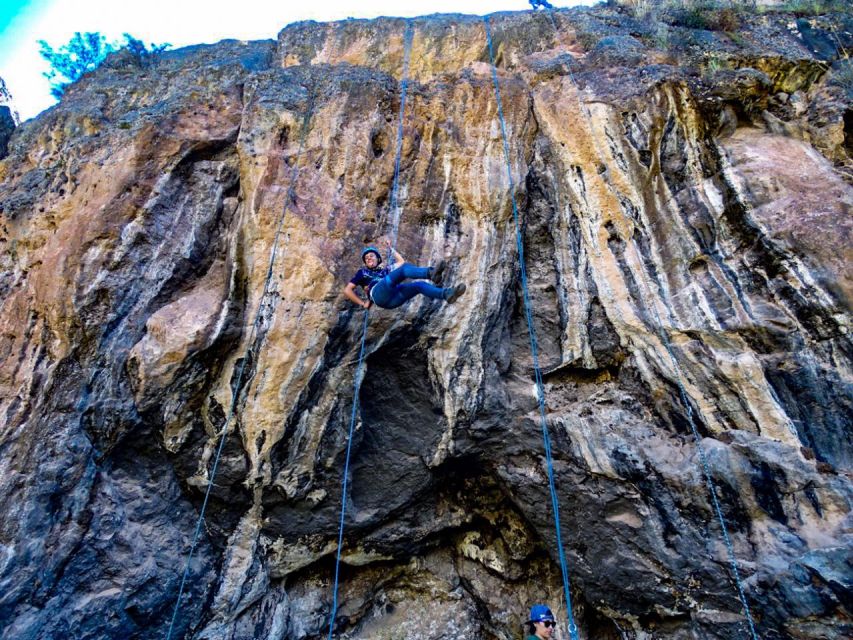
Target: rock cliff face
{"points": [[680, 190], [8, 119]]}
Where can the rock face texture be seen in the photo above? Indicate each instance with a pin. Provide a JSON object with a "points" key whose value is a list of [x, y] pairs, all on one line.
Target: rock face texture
{"points": [[685, 198], [8, 119]]}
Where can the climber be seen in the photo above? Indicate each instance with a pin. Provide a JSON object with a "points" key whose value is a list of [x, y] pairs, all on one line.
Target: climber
{"points": [[541, 624], [541, 3], [385, 286]]}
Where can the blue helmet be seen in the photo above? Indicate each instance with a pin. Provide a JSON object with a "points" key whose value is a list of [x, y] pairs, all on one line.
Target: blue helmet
{"points": [[540, 613], [372, 250]]}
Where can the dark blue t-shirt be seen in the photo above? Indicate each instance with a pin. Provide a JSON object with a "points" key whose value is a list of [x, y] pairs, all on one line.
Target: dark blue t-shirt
{"points": [[366, 278]]}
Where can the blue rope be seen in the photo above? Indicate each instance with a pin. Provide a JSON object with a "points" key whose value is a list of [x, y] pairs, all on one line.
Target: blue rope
{"points": [[688, 407], [534, 348], [395, 202], [357, 384], [234, 399], [712, 489], [356, 387]]}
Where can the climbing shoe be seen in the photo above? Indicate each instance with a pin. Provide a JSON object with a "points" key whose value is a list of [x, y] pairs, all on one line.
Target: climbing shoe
{"points": [[456, 292], [436, 273]]}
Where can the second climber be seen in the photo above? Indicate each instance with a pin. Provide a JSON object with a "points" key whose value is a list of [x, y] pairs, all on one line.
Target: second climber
{"points": [[387, 287]]}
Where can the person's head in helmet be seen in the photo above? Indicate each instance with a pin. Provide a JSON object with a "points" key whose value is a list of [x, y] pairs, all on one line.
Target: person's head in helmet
{"points": [[371, 257], [541, 623]]}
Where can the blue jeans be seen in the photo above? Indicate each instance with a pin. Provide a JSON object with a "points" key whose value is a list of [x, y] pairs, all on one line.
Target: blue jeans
{"points": [[391, 291]]}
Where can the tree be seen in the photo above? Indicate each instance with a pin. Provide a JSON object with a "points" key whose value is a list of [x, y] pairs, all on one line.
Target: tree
{"points": [[140, 51], [84, 53]]}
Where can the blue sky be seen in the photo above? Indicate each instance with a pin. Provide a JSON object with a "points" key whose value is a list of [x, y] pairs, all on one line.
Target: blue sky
{"points": [[180, 22]]}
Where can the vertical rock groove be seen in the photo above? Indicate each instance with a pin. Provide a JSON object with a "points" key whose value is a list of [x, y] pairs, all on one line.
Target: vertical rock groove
{"points": [[136, 223]]}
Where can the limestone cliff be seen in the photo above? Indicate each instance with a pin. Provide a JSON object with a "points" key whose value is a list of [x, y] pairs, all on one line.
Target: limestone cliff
{"points": [[8, 118], [679, 188]]}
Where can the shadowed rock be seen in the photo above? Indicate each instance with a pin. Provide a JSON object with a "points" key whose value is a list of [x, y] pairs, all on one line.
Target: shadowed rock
{"points": [[686, 224]]}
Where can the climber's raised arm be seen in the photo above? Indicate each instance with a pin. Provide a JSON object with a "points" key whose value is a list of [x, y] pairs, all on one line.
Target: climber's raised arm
{"points": [[397, 258]]}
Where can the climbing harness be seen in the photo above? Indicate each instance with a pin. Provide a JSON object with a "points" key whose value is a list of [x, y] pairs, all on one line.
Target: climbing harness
{"points": [[534, 348], [395, 223], [252, 335], [683, 396]]}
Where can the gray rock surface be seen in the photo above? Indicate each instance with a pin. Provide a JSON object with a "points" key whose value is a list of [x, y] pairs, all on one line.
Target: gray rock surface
{"points": [[683, 223], [8, 119], [7, 127]]}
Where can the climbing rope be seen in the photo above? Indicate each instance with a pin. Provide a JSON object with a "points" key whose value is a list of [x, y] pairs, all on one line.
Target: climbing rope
{"points": [[404, 86], [534, 348], [289, 196], [395, 222], [683, 395], [356, 386], [712, 489]]}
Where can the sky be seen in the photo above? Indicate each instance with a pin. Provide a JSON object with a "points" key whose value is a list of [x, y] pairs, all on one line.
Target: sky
{"points": [[180, 23]]}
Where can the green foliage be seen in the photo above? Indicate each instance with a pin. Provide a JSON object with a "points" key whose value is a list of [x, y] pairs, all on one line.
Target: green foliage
{"points": [[588, 40], [722, 15], [142, 52], [713, 64], [738, 39], [802, 8], [660, 39], [639, 8], [84, 53], [711, 15]]}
